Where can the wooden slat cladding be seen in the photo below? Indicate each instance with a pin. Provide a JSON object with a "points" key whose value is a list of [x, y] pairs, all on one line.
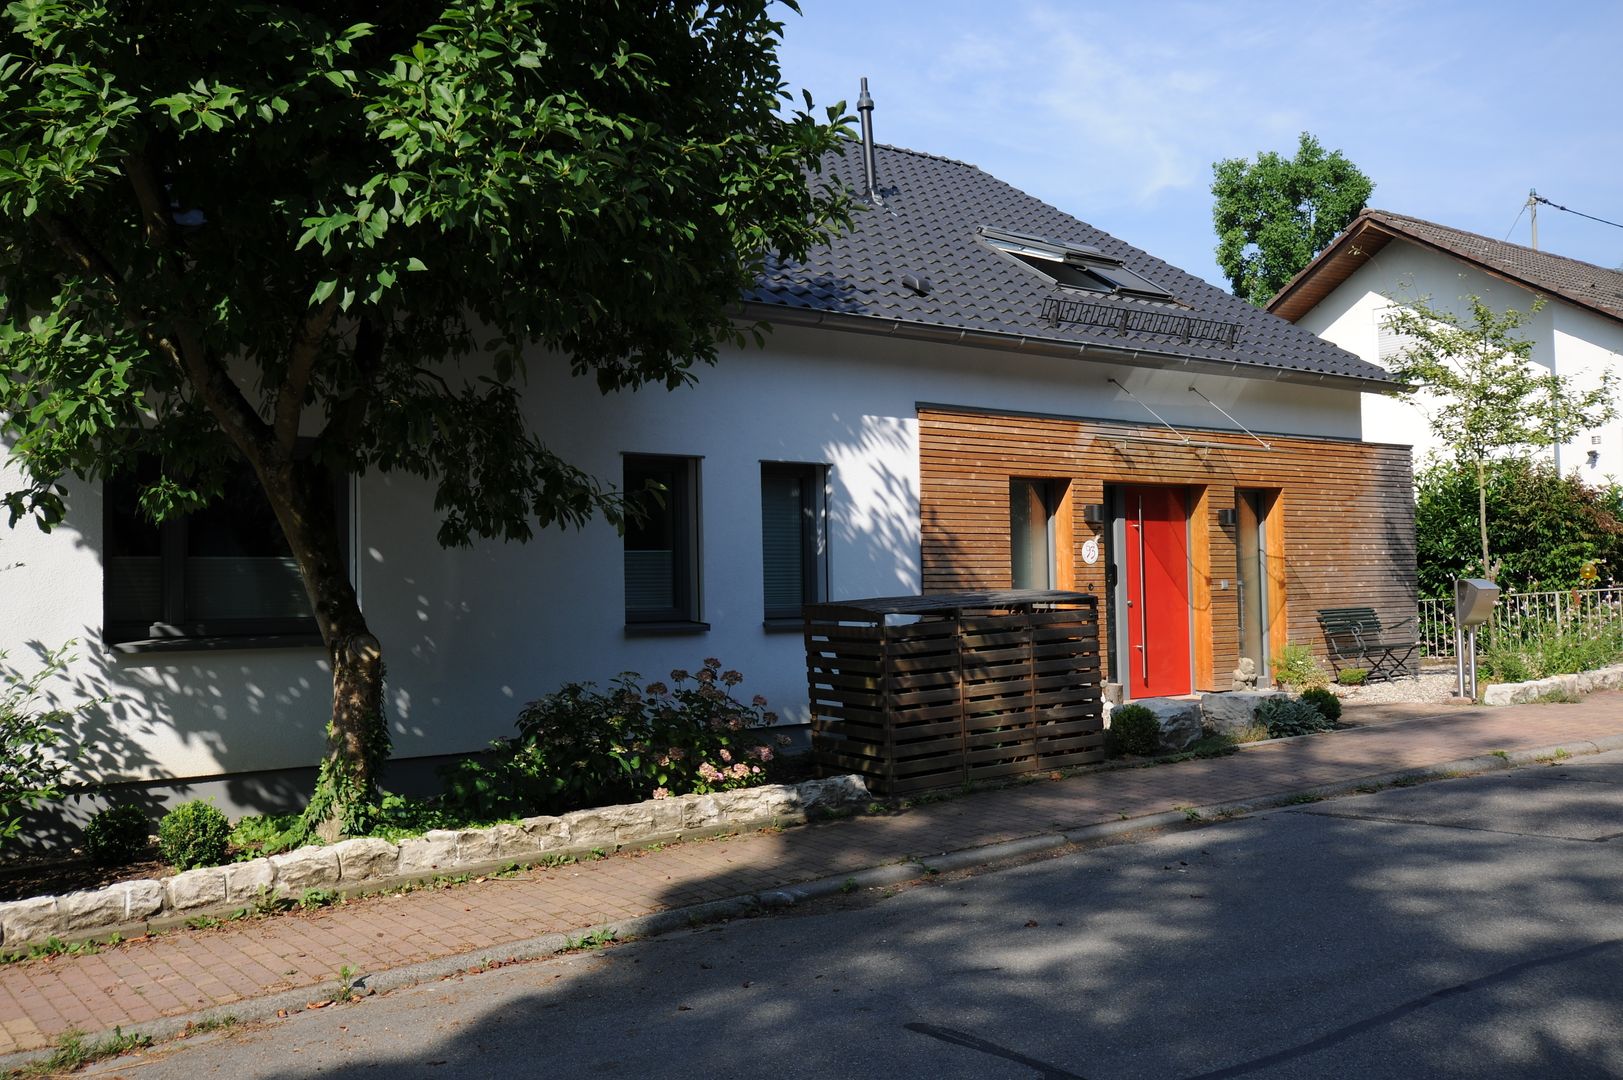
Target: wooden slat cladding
{"points": [[1345, 515], [946, 701]]}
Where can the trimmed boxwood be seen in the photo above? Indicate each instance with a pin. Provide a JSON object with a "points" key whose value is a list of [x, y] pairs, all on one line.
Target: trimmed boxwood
{"points": [[117, 835], [194, 834], [1134, 730]]}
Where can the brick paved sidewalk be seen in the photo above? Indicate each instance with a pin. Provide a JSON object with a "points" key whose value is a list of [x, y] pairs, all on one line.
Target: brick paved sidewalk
{"points": [[187, 971]]}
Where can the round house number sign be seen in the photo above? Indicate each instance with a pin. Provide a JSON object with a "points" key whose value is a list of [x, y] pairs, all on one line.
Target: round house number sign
{"points": [[1090, 551]]}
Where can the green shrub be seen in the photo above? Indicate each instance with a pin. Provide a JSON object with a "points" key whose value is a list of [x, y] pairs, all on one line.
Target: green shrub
{"points": [[117, 835], [1352, 676], [1328, 704], [1284, 717], [265, 834], [193, 834], [30, 767], [584, 746], [1134, 730], [1295, 668]]}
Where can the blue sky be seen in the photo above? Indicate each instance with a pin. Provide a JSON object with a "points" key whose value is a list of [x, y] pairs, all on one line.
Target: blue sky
{"points": [[1114, 112]]}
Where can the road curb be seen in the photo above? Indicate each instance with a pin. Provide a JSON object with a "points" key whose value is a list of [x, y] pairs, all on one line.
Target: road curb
{"points": [[914, 869]]}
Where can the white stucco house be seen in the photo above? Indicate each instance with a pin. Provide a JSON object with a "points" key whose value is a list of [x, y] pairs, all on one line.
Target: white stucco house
{"points": [[970, 389], [1383, 259]]}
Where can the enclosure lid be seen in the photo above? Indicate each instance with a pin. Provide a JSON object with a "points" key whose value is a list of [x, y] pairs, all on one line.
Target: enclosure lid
{"points": [[948, 603]]}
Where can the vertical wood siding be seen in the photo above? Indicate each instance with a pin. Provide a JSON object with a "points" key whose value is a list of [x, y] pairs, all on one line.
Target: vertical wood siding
{"points": [[1347, 520]]}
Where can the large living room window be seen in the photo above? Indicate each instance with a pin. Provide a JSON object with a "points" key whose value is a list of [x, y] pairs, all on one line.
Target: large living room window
{"points": [[223, 572], [662, 541]]}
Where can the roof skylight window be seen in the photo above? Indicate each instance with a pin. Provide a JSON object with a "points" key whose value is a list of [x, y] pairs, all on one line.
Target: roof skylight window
{"points": [[1074, 266]]}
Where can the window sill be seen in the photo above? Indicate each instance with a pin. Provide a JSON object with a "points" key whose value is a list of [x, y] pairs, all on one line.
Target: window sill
{"points": [[662, 629], [218, 644], [784, 626]]}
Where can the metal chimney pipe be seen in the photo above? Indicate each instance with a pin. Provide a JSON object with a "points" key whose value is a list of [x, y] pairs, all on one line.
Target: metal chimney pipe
{"points": [[865, 108]]}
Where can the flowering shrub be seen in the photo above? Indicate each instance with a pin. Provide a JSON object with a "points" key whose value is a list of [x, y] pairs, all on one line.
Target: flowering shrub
{"points": [[586, 746]]}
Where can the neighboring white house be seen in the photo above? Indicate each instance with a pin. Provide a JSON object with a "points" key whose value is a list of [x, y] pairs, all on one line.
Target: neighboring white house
{"points": [[1383, 259], [794, 473]]}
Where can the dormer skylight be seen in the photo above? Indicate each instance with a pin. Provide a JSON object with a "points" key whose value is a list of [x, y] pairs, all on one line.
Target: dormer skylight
{"points": [[1074, 266]]}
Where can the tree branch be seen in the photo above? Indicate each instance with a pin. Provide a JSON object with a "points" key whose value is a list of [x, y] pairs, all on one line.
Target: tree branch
{"points": [[223, 397], [301, 363], [149, 193], [350, 413]]}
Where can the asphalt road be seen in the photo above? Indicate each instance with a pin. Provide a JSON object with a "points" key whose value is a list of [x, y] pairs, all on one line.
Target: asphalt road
{"points": [[1468, 928]]}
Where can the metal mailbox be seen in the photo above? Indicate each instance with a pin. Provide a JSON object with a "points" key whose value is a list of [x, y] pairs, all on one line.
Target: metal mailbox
{"points": [[1473, 600]]}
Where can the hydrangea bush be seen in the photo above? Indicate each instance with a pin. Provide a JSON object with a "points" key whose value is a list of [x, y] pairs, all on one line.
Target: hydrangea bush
{"points": [[589, 746]]}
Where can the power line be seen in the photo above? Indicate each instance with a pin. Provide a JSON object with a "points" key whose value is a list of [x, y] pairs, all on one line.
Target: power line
{"points": [[1517, 222], [1570, 210]]}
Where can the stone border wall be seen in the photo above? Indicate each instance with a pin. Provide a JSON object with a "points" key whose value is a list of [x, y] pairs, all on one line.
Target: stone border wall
{"points": [[370, 863], [1584, 682]]}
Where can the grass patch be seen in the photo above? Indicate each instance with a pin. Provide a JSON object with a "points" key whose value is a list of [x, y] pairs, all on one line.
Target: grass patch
{"points": [[73, 1052]]}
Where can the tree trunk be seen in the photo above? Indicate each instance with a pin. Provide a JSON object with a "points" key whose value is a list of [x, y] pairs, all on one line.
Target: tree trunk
{"points": [[1482, 515], [346, 795]]}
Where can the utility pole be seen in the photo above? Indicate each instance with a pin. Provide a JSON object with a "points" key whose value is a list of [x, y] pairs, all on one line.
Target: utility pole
{"points": [[1532, 204]]}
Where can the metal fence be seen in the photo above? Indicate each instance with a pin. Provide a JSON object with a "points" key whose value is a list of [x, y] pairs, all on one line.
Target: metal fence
{"points": [[1524, 615]]}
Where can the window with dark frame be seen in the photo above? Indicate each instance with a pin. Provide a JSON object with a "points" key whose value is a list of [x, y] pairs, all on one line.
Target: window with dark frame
{"points": [[223, 572], [662, 539], [793, 538]]}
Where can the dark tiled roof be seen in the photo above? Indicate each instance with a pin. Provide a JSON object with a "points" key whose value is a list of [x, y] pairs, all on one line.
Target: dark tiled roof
{"points": [[1581, 283], [929, 227]]}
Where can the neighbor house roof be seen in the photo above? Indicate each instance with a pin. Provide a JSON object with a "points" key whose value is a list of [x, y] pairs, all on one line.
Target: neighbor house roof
{"points": [[925, 262], [1584, 284]]}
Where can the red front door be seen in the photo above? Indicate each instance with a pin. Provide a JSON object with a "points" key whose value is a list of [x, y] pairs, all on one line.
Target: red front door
{"points": [[1157, 600]]}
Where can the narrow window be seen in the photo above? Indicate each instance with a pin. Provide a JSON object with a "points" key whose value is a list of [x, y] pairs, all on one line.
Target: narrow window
{"points": [[793, 538], [662, 539], [1031, 533]]}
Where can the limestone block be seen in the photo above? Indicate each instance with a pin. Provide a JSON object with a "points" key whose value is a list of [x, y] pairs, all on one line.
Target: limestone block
{"points": [[23, 921], [699, 812], [433, 851], [203, 887], [1179, 719], [245, 880], [477, 846], [833, 791], [366, 859], [306, 868], [531, 837], [92, 909], [142, 899], [1226, 714], [608, 826]]}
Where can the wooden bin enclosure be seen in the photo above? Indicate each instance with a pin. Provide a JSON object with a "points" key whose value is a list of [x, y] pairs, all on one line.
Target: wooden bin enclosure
{"points": [[917, 692]]}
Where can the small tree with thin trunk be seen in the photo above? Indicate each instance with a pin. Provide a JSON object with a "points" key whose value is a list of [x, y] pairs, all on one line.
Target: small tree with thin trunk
{"points": [[322, 239], [1489, 399]]}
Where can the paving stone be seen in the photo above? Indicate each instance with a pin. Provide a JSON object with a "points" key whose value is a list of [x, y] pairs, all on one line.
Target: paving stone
{"points": [[26, 921], [92, 909], [245, 881], [306, 868], [143, 899], [477, 846], [203, 887], [432, 852], [366, 859]]}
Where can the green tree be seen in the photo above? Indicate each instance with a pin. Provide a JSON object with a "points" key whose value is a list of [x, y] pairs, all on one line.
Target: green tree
{"points": [[226, 226], [1544, 528], [1273, 215], [1488, 400]]}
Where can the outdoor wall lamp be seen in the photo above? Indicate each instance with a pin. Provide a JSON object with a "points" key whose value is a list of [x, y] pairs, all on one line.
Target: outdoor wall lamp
{"points": [[1227, 516], [1093, 513]]}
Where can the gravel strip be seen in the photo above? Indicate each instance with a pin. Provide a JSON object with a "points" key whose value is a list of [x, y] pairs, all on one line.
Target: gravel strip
{"points": [[1432, 687]]}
